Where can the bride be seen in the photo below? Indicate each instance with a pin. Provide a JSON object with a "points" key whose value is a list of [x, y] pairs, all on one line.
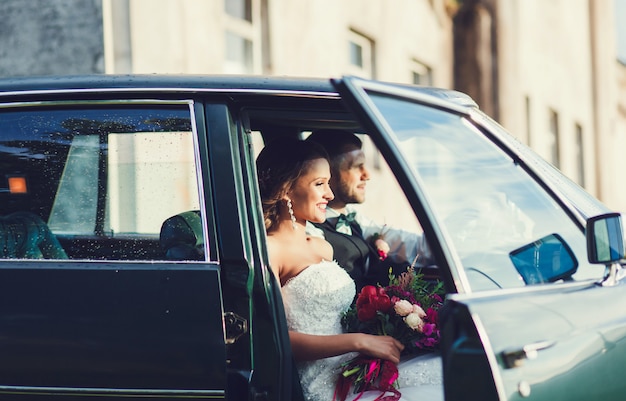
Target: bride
{"points": [[293, 181]]}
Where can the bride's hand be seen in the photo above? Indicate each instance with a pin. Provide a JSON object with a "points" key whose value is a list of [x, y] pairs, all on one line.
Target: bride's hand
{"points": [[384, 347]]}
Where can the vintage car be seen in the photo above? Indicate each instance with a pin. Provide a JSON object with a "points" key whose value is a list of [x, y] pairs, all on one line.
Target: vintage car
{"points": [[134, 261]]}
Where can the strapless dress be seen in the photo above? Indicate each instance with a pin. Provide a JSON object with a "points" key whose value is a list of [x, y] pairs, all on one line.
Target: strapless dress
{"points": [[314, 302]]}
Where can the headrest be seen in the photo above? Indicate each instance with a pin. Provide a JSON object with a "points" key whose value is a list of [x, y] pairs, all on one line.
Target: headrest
{"points": [[181, 237], [25, 235]]}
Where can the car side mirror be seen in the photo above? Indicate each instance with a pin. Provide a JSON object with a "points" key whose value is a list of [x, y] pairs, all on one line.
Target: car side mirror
{"points": [[605, 238], [546, 260]]}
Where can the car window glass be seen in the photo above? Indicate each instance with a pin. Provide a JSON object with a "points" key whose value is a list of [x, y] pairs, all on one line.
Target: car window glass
{"points": [[582, 200], [75, 205], [489, 205], [105, 179]]}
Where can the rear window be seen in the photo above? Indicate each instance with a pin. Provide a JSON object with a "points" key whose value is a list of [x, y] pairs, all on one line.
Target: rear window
{"points": [[101, 178]]}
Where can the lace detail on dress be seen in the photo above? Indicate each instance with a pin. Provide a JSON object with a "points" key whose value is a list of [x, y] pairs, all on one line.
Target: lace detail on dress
{"points": [[314, 301], [420, 371]]}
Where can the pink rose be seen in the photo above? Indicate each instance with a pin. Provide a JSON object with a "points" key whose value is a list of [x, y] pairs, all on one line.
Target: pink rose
{"points": [[403, 307]]}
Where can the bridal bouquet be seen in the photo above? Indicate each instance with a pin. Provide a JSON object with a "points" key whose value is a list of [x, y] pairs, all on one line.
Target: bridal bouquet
{"points": [[406, 309]]}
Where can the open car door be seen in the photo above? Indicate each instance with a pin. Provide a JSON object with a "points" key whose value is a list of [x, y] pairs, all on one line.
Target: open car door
{"points": [[532, 333]]}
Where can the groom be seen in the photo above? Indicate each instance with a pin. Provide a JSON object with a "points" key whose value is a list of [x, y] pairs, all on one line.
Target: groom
{"points": [[351, 234]]}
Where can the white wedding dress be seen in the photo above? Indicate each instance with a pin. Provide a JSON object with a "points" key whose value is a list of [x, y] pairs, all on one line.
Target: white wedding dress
{"points": [[314, 302]]}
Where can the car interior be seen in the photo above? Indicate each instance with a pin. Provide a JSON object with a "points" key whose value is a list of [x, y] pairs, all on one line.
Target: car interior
{"points": [[72, 186], [181, 236], [267, 126]]}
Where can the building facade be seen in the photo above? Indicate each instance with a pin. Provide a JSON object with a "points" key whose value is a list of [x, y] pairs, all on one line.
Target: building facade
{"points": [[546, 70], [410, 42]]}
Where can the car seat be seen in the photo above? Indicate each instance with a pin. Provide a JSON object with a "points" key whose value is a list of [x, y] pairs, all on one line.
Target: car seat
{"points": [[181, 236], [24, 235]]}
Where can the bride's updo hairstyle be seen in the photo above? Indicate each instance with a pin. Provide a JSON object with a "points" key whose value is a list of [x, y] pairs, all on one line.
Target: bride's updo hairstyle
{"points": [[279, 165]]}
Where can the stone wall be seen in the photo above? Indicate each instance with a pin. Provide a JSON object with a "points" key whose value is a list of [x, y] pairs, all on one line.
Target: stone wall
{"points": [[42, 37]]}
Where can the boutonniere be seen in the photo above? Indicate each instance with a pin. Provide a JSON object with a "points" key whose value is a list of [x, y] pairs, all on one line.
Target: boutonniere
{"points": [[380, 245]]}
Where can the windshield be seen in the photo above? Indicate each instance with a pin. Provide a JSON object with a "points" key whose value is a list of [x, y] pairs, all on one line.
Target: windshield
{"points": [[489, 205], [581, 200]]}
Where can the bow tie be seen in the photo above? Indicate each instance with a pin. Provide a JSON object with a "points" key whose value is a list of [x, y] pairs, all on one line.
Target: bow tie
{"points": [[343, 222]]}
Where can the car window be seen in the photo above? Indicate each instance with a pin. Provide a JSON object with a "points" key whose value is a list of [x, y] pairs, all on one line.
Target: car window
{"points": [[104, 179], [489, 205]]}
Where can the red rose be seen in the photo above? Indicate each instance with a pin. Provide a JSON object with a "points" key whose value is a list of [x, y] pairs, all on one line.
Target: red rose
{"points": [[371, 300]]}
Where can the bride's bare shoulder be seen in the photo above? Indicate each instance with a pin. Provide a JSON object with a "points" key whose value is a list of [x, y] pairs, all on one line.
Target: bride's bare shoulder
{"points": [[276, 254], [323, 247]]}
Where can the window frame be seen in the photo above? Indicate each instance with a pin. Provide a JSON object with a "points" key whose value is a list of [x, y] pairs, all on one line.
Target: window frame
{"points": [[195, 113], [368, 57]]}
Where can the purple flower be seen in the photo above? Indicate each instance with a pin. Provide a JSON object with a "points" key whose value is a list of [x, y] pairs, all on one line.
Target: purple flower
{"points": [[428, 329]]}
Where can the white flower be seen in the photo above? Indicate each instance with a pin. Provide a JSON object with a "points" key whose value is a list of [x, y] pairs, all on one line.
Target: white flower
{"points": [[414, 321], [418, 309], [403, 307]]}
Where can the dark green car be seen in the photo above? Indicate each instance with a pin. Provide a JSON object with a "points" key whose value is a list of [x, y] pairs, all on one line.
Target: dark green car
{"points": [[133, 256]]}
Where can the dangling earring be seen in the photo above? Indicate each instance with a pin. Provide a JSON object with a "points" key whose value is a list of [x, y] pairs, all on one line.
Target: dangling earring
{"points": [[293, 218]]}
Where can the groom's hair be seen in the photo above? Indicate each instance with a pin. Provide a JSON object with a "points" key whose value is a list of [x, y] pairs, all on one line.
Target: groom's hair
{"points": [[335, 141]]}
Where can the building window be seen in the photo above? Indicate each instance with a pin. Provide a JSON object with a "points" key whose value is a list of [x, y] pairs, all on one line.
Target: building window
{"points": [[360, 55], [554, 138], [356, 54], [241, 9], [580, 157], [242, 37], [239, 59], [421, 74]]}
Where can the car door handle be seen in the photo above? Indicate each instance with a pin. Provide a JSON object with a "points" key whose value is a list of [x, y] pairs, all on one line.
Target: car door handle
{"points": [[514, 358]]}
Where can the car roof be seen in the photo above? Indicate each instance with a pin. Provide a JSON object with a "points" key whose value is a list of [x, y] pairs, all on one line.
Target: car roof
{"points": [[164, 81], [192, 83]]}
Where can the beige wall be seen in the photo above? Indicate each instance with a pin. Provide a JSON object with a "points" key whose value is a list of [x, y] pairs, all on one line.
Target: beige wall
{"points": [[546, 66], [304, 38], [617, 164], [556, 55], [164, 36], [316, 45]]}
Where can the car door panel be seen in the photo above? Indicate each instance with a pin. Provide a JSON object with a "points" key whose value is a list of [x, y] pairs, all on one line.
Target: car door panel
{"points": [[536, 343], [116, 320], [105, 328]]}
